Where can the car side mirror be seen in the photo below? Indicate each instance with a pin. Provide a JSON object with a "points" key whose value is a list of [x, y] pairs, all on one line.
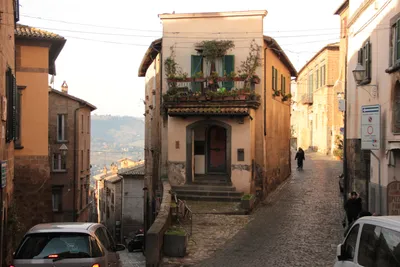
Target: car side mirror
{"points": [[341, 252], [119, 247]]}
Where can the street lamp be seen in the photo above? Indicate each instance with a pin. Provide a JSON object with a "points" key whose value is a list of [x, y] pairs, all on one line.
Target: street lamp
{"points": [[359, 73], [63, 148]]}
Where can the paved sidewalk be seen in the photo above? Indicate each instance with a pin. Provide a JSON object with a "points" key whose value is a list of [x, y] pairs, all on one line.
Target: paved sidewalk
{"points": [[132, 259]]}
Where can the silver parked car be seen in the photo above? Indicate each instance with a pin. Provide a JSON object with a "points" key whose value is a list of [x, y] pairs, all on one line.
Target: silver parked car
{"points": [[68, 245]]}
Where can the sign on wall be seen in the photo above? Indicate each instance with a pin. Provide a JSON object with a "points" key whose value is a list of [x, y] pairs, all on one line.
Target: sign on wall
{"points": [[393, 198], [3, 174], [370, 127]]}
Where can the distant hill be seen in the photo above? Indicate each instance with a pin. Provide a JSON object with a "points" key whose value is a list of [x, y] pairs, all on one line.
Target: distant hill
{"points": [[115, 137]]}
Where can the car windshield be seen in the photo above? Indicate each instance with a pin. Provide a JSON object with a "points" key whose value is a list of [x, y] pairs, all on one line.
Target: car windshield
{"points": [[57, 246]]}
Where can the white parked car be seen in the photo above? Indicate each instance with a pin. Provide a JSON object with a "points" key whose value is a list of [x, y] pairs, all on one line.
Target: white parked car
{"points": [[373, 241]]}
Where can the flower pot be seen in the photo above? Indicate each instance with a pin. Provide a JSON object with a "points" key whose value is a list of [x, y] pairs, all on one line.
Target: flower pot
{"points": [[175, 245], [248, 204], [228, 98], [242, 97], [199, 80], [256, 80]]}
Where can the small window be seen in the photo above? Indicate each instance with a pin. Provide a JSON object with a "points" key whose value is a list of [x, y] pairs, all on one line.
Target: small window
{"points": [[396, 42], [240, 154], [57, 199], [350, 243], [64, 245], [102, 238], [368, 245], [61, 127], [310, 84], [199, 147], [83, 124], [388, 252], [59, 162]]}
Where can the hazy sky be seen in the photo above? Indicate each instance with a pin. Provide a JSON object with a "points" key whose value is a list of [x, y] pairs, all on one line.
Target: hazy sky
{"points": [[105, 74]]}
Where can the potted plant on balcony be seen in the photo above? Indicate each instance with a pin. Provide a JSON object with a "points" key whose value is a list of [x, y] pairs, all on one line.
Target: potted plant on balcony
{"points": [[253, 61], [286, 97], [199, 77], [213, 49], [276, 93], [247, 201]]}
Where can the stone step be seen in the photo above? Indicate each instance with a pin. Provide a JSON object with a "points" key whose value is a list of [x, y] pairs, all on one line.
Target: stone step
{"points": [[211, 182], [181, 193], [211, 198], [204, 187]]}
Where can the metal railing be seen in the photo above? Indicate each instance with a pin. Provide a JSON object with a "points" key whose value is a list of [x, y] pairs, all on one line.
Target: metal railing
{"points": [[184, 216], [206, 86]]}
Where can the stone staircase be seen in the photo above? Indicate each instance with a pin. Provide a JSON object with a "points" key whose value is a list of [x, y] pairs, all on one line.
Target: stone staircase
{"points": [[209, 188]]}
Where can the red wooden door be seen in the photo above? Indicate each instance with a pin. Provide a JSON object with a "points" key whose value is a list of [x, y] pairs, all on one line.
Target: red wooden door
{"points": [[217, 149]]}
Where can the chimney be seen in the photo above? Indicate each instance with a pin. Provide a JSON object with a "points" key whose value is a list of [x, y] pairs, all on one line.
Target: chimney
{"points": [[64, 87]]}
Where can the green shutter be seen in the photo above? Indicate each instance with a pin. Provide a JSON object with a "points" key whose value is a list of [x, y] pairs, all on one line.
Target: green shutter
{"points": [[368, 59], [229, 66], [14, 103], [397, 41], [276, 79], [273, 78], [196, 67]]}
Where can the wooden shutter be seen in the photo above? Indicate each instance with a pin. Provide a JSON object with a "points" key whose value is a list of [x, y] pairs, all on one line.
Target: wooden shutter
{"points": [[397, 41], [229, 66], [10, 106], [197, 63], [14, 103], [273, 78], [276, 78], [367, 66]]}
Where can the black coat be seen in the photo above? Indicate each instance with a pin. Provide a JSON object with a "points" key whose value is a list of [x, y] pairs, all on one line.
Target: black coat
{"points": [[300, 156], [353, 207]]}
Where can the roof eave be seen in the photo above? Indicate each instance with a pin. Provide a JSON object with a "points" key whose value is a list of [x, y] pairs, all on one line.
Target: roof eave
{"points": [[327, 47], [81, 101], [149, 56], [285, 59], [341, 7], [262, 13]]}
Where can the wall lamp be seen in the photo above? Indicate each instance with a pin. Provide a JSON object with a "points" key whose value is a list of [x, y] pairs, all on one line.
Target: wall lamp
{"points": [[359, 74]]}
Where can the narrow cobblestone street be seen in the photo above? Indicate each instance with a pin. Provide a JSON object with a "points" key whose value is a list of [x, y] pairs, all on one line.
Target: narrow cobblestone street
{"points": [[298, 225]]}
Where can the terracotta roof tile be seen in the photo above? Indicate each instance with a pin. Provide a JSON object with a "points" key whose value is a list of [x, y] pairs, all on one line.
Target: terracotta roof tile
{"points": [[210, 111], [31, 32], [136, 170]]}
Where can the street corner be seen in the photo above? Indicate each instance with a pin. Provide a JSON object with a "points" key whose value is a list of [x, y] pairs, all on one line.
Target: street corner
{"points": [[210, 233], [132, 259]]}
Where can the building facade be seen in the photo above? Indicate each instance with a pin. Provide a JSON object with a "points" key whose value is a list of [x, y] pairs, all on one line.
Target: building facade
{"points": [[69, 147], [36, 52], [228, 120], [8, 88], [119, 194], [318, 120], [373, 51]]}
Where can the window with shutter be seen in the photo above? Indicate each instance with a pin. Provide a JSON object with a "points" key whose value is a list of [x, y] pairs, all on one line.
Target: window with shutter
{"points": [[197, 66], [11, 91], [276, 79], [273, 78], [229, 66], [364, 58], [396, 109]]}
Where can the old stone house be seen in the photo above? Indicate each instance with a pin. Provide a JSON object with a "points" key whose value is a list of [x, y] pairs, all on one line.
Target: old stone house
{"points": [[36, 52], [119, 194], [210, 120], [8, 90], [373, 102], [318, 120], [69, 146]]}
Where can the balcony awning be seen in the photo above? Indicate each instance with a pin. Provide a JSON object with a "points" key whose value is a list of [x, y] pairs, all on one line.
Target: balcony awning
{"points": [[214, 111]]}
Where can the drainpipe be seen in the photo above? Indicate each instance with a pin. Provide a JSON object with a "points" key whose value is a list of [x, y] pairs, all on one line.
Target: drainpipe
{"points": [[265, 106], [379, 181], [345, 171], [74, 209]]}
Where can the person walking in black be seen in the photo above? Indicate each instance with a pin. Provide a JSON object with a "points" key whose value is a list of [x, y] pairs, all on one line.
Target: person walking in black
{"points": [[300, 156], [353, 207]]}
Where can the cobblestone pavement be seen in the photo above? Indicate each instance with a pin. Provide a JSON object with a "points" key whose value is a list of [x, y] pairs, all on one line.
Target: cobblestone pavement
{"points": [[298, 225], [132, 259], [210, 232]]}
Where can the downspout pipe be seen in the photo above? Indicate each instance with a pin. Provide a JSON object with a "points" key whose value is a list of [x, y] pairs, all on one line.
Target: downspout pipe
{"points": [[74, 209], [345, 170], [265, 109]]}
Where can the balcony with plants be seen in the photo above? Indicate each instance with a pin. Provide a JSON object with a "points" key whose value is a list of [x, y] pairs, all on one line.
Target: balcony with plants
{"points": [[213, 80]]}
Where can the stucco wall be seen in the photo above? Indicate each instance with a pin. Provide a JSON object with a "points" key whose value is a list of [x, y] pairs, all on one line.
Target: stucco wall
{"points": [[241, 138]]}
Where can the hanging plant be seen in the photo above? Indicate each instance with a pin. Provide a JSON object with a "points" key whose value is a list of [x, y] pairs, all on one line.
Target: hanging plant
{"points": [[171, 67], [286, 97], [214, 49]]}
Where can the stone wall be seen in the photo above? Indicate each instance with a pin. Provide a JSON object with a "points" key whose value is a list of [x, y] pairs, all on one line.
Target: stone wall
{"points": [[32, 192], [358, 169], [155, 235], [177, 173]]}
